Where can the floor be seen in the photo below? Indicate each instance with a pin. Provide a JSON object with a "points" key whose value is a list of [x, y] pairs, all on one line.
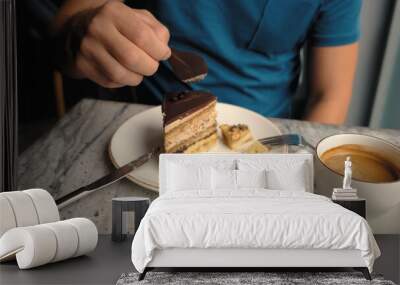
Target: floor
{"points": [[110, 260], [103, 266], [389, 262]]}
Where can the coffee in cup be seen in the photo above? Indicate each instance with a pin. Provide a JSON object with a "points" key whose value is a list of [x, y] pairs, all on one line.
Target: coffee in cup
{"points": [[368, 164]]}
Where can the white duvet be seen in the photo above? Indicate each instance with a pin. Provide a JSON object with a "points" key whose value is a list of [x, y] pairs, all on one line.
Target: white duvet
{"points": [[250, 219]]}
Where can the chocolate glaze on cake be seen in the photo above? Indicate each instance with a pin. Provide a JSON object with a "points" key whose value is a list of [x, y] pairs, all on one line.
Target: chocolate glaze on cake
{"points": [[188, 66], [180, 104]]}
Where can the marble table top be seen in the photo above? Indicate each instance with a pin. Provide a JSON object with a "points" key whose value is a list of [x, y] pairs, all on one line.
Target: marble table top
{"points": [[75, 153]]}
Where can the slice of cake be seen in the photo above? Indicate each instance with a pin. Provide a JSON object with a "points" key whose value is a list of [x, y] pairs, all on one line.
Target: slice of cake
{"points": [[239, 138], [255, 147], [235, 136], [190, 123]]}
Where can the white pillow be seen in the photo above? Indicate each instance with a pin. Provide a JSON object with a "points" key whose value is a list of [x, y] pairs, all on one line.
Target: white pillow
{"points": [[188, 177], [251, 178], [294, 180], [224, 179], [282, 173], [224, 164]]}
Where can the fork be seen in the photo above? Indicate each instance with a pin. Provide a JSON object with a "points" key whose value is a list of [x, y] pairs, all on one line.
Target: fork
{"points": [[288, 139]]}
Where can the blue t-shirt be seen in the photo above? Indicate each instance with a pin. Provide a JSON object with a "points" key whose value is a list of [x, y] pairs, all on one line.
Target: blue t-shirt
{"points": [[252, 47]]}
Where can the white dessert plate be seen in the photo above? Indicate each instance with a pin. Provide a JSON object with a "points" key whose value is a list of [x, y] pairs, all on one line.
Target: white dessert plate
{"points": [[142, 132]]}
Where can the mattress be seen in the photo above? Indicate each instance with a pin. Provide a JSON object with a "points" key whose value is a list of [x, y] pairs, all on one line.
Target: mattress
{"points": [[250, 219]]}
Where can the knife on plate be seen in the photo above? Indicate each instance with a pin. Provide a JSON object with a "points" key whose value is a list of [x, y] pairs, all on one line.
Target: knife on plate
{"points": [[187, 67], [104, 181]]}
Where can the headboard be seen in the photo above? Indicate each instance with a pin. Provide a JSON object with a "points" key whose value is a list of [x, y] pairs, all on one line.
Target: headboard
{"points": [[230, 161]]}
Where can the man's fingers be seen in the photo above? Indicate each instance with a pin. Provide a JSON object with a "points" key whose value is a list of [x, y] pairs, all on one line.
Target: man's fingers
{"points": [[143, 35], [159, 29], [121, 45], [109, 66], [88, 70], [127, 53]]}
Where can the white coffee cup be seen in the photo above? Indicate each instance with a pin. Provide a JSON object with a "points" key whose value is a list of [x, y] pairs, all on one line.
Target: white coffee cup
{"points": [[383, 199]]}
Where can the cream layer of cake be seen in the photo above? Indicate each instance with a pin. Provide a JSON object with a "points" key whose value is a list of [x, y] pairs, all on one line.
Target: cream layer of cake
{"points": [[190, 129], [189, 122]]}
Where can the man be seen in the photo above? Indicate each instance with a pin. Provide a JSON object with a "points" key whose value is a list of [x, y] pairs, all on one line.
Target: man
{"points": [[252, 48]]}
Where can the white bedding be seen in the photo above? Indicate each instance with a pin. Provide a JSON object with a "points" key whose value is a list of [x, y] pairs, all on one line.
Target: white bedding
{"points": [[251, 218]]}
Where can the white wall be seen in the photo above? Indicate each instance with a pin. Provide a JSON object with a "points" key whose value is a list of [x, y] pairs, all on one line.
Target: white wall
{"points": [[375, 23], [387, 101]]}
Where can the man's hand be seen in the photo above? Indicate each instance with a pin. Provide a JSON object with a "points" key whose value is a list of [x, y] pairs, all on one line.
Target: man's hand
{"points": [[332, 75], [119, 45]]}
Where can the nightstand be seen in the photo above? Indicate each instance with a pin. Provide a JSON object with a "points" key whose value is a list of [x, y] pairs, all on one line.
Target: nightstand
{"points": [[357, 206], [123, 208]]}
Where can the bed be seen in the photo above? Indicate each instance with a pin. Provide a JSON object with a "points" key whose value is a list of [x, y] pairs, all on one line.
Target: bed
{"points": [[247, 211]]}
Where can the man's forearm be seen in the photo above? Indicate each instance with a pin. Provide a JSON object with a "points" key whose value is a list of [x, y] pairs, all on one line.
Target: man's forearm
{"points": [[331, 83], [329, 110]]}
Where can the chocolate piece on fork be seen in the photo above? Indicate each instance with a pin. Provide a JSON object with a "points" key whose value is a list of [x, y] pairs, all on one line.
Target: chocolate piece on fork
{"points": [[188, 66]]}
